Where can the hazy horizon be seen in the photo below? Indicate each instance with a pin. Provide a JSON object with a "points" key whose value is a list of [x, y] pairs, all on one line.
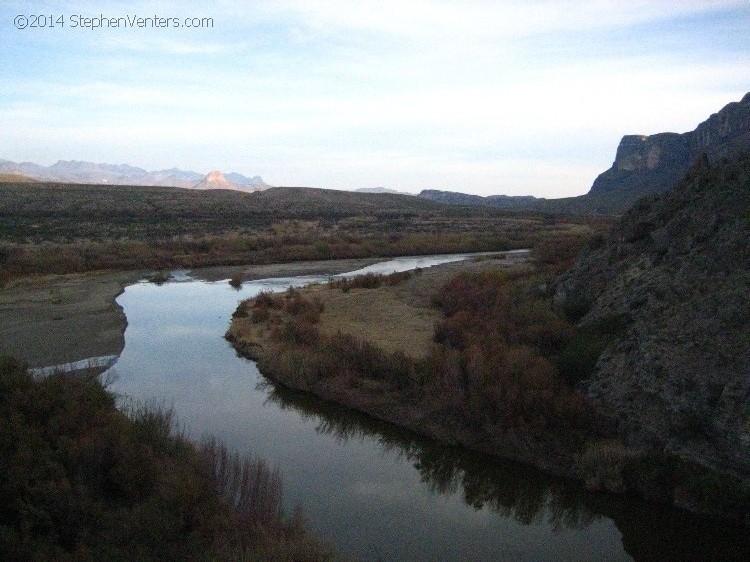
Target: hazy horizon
{"points": [[488, 98]]}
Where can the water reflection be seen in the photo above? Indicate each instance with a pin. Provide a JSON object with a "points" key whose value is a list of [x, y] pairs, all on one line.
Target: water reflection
{"points": [[375, 491], [520, 492]]}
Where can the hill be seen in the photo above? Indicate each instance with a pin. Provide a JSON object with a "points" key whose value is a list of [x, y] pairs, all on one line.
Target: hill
{"points": [[15, 178], [106, 211], [675, 272], [458, 198]]}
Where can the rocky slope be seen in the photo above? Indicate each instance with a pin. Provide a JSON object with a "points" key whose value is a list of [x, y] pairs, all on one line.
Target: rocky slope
{"points": [[677, 271]]}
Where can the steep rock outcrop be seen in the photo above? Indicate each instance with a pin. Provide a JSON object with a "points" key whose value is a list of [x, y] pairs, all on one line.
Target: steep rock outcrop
{"points": [[644, 165], [652, 164], [677, 271]]}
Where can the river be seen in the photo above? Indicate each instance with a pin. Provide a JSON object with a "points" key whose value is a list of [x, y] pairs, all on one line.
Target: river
{"points": [[374, 491]]}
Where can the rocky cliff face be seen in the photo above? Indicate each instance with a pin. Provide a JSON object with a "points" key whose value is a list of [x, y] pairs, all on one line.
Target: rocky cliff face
{"points": [[677, 271], [652, 164]]}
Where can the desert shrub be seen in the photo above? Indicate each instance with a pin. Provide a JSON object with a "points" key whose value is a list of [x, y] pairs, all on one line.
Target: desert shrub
{"points": [[307, 309], [509, 340], [364, 281], [259, 315], [249, 484], [371, 280], [576, 307], [399, 277], [297, 332], [577, 360], [556, 254], [266, 299], [236, 280], [81, 480], [159, 277]]}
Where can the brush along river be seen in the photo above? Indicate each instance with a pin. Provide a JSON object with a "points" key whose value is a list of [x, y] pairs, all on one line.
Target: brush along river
{"points": [[374, 491]]}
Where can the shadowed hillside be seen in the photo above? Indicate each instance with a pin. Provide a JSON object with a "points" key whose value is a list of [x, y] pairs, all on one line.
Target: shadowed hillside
{"points": [[676, 271]]}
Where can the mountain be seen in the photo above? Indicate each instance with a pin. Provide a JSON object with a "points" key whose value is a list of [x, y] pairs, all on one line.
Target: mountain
{"points": [[653, 164], [217, 180], [244, 181], [644, 165], [675, 272], [380, 190], [74, 171], [457, 198]]}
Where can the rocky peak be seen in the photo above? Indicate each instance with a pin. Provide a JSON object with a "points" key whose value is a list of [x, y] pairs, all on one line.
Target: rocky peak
{"points": [[215, 180], [637, 153], [216, 177]]}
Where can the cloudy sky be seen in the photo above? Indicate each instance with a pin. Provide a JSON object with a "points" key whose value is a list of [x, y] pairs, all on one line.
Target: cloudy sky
{"points": [[484, 97]]}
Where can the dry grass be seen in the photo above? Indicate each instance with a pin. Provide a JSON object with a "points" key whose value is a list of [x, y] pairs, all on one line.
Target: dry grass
{"points": [[396, 318], [386, 317]]}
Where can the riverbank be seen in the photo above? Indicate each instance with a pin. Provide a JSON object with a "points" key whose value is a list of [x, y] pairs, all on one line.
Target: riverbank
{"points": [[60, 319], [57, 319], [84, 480]]}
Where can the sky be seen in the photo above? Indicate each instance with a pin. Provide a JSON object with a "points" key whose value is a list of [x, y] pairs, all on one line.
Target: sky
{"points": [[485, 97]]}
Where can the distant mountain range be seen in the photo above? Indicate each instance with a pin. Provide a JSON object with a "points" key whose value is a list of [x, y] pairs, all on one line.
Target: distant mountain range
{"points": [[644, 165], [75, 171], [458, 198], [381, 190]]}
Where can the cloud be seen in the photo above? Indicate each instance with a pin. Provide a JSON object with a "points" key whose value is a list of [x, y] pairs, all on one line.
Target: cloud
{"points": [[481, 18], [483, 95], [154, 46]]}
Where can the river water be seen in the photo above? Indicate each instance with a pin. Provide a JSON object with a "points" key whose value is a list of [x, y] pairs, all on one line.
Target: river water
{"points": [[374, 491]]}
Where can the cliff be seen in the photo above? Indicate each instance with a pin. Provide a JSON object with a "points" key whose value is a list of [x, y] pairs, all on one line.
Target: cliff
{"points": [[652, 164], [644, 165], [676, 270]]}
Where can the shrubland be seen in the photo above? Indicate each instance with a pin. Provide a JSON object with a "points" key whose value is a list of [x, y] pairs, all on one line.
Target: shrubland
{"points": [[67, 228], [81, 480]]}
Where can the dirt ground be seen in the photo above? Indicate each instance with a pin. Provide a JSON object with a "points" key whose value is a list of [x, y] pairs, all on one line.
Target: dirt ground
{"points": [[60, 319]]}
